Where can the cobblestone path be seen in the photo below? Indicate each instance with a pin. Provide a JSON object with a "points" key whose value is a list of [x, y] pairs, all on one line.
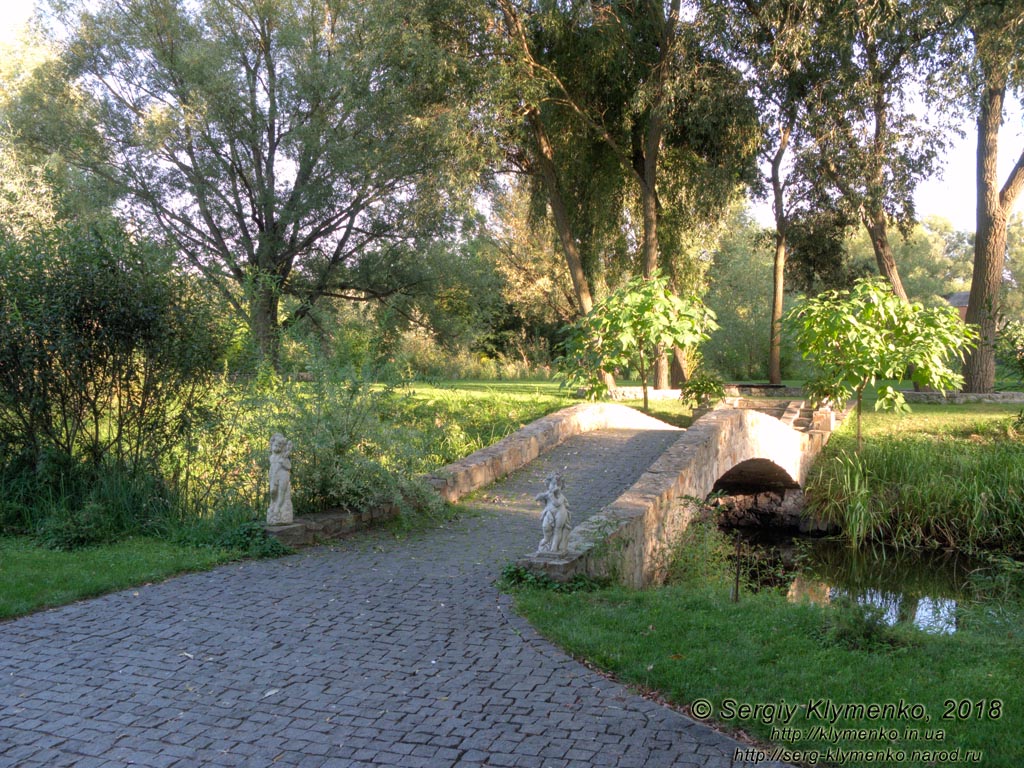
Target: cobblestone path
{"points": [[375, 651]]}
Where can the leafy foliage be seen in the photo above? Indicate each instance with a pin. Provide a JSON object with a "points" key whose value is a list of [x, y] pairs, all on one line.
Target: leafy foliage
{"points": [[702, 389], [105, 351], [515, 577], [282, 149], [859, 336], [628, 328], [1010, 348], [107, 356], [860, 626]]}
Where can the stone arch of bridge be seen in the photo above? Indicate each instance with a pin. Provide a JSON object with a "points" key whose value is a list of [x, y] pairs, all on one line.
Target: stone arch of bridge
{"points": [[749, 449], [755, 474]]}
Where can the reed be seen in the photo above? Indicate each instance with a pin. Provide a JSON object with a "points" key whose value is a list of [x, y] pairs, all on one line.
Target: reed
{"points": [[951, 483]]}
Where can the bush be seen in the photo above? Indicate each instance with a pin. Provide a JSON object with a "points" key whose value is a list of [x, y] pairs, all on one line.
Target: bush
{"points": [[861, 626], [419, 358], [104, 349], [351, 448], [1010, 349], [702, 390], [106, 355]]}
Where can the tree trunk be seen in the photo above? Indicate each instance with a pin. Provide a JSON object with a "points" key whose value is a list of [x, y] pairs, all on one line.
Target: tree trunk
{"points": [[647, 177], [779, 270], [878, 229], [993, 209], [563, 226], [778, 297], [648, 170], [546, 161], [264, 322], [650, 250]]}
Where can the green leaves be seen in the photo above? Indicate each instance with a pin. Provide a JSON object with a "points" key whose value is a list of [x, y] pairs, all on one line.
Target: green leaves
{"points": [[629, 328], [859, 336]]}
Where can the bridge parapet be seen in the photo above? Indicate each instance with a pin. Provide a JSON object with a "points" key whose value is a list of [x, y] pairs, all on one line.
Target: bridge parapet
{"points": [[629, 539]]}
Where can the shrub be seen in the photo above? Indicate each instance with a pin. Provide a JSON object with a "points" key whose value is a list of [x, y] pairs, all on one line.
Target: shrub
{"points": [[106, 355], [859, 336], [702, 390], [628, 329], [104, 348], [348, 453], [1010, 349], [861, 626]]}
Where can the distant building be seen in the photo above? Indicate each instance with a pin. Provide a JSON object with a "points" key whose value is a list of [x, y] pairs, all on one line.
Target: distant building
{"points": [[959, 300]]}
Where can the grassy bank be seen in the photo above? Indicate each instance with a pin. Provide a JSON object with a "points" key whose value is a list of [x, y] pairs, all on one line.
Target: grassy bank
{"points": [[689, 644], [945, 475], [35, 577]]}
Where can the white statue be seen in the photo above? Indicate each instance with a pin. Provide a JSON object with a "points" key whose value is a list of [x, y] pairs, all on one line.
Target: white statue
{"points": [[280, 511], [555, 521]]}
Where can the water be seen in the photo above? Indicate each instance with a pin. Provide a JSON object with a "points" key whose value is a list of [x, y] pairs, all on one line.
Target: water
{"points": [[923, 588]]}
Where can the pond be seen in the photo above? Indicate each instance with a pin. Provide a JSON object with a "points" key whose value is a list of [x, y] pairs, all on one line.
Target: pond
{"points": [[923, 588]]}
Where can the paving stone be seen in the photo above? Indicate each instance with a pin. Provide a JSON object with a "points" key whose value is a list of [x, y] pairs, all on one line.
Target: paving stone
{"points": [[372, 651]]}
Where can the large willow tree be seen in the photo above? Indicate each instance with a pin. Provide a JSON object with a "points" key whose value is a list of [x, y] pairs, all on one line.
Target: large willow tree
{"points": [[870, 142], [637, 132], [996, 33], [283, 148]]}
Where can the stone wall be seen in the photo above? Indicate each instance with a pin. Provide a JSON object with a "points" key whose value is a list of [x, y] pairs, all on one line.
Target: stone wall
{"points": [[323, 526], [959, 398]]}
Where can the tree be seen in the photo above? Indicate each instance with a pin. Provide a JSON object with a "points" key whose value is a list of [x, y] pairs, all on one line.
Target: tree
{"points": [[869, 148], [859, 336], [661, 132], [106, 350], [627, 327], [774, 38], [819, 256], [283, 149], [934, 259], [997, 34], [39, 190], [738, 292]]}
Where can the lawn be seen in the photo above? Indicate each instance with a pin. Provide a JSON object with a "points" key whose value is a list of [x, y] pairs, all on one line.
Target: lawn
{"points": [[690, 645], [34, 577]]}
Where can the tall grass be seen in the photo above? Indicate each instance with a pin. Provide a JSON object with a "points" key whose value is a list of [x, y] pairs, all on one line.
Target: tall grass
{"points": [[945, 480], [358, 445]]}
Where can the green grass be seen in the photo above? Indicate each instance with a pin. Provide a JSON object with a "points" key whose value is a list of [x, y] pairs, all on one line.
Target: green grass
{"points": [[453, 419], [671, 411], [945, 475], [688, 642], [33, 577]]}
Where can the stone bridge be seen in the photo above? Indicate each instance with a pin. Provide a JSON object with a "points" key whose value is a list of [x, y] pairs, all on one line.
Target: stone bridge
{"points": [[743, 443]]}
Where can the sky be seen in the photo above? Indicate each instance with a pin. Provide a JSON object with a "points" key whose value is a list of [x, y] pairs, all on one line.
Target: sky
{"points": [[950, 196]]}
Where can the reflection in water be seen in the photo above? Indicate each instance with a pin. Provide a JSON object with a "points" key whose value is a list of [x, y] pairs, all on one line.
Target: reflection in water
{"points": [[909, 587], [932, 614]]}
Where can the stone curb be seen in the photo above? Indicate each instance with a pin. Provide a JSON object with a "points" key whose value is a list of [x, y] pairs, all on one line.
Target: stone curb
{"points": [[313, 529], [959, 398]]}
